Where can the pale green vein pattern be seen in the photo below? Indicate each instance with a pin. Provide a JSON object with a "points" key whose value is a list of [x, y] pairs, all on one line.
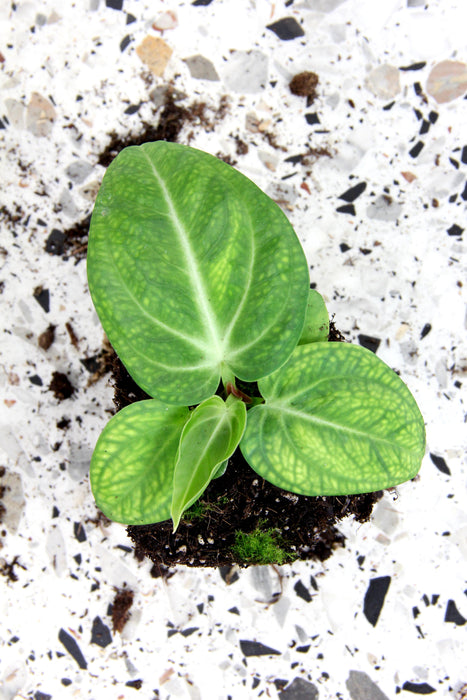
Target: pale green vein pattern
{"points": [[209, 438], [133, 462], [336, 421], [193, 272]]}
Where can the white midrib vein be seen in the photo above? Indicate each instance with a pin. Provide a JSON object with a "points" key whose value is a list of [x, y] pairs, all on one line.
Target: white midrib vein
{"points": [[195, 277]]}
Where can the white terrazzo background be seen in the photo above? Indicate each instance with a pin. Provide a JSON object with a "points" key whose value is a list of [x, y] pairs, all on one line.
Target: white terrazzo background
{"points": [[186, 636]]}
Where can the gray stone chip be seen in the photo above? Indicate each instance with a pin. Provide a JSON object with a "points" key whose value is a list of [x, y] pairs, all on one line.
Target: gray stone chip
{"points": [[79, 171], [299, 689], [201, 68], [361, 687]]}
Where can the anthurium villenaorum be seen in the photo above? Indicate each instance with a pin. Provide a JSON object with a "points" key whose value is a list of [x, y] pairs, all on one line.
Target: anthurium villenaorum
{"points": [[200, 281]]}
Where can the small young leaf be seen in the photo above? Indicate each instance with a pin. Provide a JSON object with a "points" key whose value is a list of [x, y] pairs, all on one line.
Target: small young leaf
{"points": [[336, 421], [194, 272], [209, 438], [133, 462], [316, 326]]}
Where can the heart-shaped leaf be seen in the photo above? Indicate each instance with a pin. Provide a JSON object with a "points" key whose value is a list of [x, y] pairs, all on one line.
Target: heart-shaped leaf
{"points": [[336, 421], [316, 328], [194, 272], [208, 439], [133, 462]]}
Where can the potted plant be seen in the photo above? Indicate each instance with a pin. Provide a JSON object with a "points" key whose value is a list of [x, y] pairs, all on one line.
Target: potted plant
{"points": [[202, 287]]}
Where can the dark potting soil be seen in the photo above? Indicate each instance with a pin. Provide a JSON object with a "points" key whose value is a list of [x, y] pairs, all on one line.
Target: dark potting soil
{"points": [[303, 527]]}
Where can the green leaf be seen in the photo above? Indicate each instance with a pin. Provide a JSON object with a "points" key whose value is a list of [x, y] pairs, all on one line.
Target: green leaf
{"points": [[194, 272], [316, 326], [133, 462], [209, 438], [336, 421]]}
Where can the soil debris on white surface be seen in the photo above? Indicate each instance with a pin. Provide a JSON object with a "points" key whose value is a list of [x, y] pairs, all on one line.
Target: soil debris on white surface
{"points": [[372, 173]]}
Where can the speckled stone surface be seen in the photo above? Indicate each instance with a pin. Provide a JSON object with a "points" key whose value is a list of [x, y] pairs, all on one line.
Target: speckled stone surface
{"points": [[372, 174]]}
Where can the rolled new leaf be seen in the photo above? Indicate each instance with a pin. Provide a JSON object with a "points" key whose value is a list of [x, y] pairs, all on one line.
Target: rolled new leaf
{"points": [[132, 466], [336, 421], [194, 272], [209, 438]]}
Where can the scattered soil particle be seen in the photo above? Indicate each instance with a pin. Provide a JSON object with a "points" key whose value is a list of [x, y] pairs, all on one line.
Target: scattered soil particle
{"points": [[46, 338], [105, 360], [7, 569], [241, 500], [73, 337], [120, 608], [76, 240], [61, 386], [304, 85]]}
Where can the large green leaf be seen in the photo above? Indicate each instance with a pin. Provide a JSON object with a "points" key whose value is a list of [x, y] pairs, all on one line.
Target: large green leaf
{"points": [[194, 272], [209, 438], [336, 421], [133, 462]]}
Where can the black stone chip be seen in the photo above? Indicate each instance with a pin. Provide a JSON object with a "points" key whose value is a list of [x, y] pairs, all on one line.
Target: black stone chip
{"points": [[464, 155], [2, 125], [256, 649], [374, 598], [125, 42], [389, 106], [130, 18], [304, 648], [369, 342], [425, 330], [39, 695], [234, 610], [433, 117], [419, 688], [189, 631], [312, 118], [455, 230], [55, 243], [347, 209], [132, 109], [424, 127], [35, 379], [201, 2], [414, 66], [302, 591], [455, 163], [294, 159], [344, 247], [114, 4], [136, 684], [351, 194], [286, 29], [453, 615], [440, 464], [415, 150], [79, 532], [72, 648], [100, 634], [464, 193], [42, 296]]}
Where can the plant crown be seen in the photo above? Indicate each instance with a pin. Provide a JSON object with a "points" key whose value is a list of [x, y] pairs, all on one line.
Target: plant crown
{"points": [[200, 282]]}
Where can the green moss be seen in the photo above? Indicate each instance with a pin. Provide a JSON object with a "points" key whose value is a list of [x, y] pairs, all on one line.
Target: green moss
{"points": [[201, 508], [260, 547]]}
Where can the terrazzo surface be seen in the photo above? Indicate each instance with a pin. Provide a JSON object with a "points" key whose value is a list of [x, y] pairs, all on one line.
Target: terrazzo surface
{"points": [[372, 174]]}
